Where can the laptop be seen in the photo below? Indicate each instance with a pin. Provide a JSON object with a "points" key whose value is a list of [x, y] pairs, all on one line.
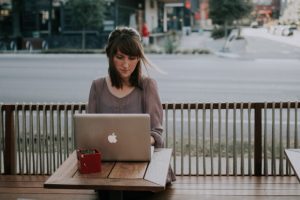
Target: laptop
{"points": [[119, 137]]}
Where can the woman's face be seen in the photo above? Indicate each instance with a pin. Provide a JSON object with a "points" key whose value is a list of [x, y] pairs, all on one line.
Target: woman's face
{"points": [[125, 64]]}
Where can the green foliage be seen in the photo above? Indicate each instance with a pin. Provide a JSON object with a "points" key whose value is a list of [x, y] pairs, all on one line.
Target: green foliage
{"points": [[86, 14], [170, 46], [226, 11], [218, 33], [171, 42]]}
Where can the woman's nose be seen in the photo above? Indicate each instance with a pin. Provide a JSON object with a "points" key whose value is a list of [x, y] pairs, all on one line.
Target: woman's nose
{"points": [[125, 63]]}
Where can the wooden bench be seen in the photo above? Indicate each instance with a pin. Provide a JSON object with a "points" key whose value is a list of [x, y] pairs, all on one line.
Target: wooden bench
{"points": [[31, 187]]}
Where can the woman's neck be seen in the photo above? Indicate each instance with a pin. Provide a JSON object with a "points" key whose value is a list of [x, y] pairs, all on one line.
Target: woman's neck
{"points": [[126, 83], [119, 92]]}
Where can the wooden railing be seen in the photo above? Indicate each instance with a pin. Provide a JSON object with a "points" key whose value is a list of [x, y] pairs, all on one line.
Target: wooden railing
{"points": [[207, 139]]}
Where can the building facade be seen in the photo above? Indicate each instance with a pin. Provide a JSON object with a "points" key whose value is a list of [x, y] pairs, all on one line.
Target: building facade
{"points": [[290, 12], [50, 20], [266, 10]]}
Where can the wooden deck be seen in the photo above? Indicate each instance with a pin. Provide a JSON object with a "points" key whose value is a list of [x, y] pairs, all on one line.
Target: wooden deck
{"points": [[186, 187]]}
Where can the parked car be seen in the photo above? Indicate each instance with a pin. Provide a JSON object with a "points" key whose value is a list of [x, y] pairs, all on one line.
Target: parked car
{"points": [[254, 24], [284, 30], [287, 31]]}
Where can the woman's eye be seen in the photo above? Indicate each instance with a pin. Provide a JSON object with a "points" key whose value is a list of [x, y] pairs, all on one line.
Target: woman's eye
{"points": [[119, 57], [132, 58]]}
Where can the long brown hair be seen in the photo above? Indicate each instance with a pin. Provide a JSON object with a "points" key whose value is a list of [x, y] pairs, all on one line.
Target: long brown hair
{"points": [[128, 41]]}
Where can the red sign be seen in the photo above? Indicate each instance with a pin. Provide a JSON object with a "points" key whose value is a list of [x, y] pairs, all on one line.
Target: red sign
{"points": [[188, 4]]}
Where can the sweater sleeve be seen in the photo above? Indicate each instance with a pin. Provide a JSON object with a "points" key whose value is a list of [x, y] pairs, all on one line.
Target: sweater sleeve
{"points": [[154, 108]]}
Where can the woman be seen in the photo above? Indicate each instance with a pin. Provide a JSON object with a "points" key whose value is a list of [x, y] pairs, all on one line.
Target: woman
{"points": [[125, 89]]}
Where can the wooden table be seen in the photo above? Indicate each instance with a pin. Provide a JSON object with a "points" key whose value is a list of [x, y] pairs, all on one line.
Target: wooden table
{"points": [[115, 176], [293, 156]]}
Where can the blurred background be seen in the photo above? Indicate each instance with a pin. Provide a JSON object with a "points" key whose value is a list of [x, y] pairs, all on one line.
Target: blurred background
{"points": [[211, 50], [73, 24]]}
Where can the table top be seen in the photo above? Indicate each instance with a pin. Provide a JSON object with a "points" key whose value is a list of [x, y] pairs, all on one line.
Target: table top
{"points": [[293, 156], [134, 176]]}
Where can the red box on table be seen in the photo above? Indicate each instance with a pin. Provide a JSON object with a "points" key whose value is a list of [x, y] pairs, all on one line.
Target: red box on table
{"points": [[89, 160]]}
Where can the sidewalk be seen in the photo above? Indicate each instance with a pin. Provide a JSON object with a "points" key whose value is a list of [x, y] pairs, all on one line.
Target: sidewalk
{"points": [[293, 40], [236, 48], [200, 41]]}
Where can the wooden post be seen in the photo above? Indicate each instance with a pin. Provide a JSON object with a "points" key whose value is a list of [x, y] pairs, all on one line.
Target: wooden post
{"points": [[10, 145], [257, 142]]}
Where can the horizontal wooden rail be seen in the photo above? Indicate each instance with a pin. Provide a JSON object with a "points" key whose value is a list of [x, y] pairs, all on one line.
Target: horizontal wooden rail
{"points": [[237, 105]]}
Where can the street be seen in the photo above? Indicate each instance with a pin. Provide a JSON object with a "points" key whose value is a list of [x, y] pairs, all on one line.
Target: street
{"points": [[187, 78], [268, 70]]}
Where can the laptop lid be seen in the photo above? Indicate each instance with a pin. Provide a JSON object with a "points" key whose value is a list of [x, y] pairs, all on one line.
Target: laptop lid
{"points": [[119, 137]]}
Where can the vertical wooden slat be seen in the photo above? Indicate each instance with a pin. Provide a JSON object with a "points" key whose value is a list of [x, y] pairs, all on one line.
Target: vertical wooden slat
{"points": [[226, 138], [273, 167], [265, 141], [242, 140], [31, 140], [45, 142], [52, 144], [280, 142], [189, 138], [249, 141], [174, 137], [66, 131], [197, 138], [211, 136], [296, 126], [39, 139], [10, 145], [203, 138], [181, 142], [58, 136], [24, 130], [288, 143], [166, 125], [1, 136], [257, 142], [234, 141], [219, 139], [72, 125], [17, 132]]}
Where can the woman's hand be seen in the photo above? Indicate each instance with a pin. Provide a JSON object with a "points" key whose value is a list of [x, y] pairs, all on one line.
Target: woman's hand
{"points": [[152, 141]]}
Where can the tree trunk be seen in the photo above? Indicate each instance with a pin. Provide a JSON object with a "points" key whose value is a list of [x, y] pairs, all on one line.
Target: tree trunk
{"points": [[239, 29], [225, 29], [50, 18], [225, 48], [16, 7]]}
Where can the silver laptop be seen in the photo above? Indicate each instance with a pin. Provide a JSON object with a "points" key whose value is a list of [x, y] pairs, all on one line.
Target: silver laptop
{"points": [[119, 137]]}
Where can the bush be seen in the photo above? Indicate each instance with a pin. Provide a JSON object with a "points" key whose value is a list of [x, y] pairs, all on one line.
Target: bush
{"points": [[73, 51], [171, 42], [169, 46], [218, 33]]}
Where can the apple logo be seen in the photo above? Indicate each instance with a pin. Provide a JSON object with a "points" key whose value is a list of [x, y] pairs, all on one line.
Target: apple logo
{"points": [[112, 138]]}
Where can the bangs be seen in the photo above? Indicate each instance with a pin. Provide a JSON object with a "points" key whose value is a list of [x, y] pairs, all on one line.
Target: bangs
{"points": [[128, 47]]}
